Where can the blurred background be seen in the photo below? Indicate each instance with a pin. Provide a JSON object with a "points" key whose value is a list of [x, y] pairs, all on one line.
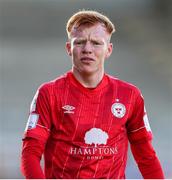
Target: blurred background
{"points": [[32, 51]]}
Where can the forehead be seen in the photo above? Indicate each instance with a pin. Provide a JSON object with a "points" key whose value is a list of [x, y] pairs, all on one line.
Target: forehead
{"points": [[93, 31]]}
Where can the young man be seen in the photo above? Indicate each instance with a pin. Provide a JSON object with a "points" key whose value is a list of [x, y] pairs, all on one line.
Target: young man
{"points": [[82, 121]]}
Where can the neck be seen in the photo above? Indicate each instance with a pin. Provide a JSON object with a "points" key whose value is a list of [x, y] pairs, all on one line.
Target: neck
{"points": [[88, 80]]}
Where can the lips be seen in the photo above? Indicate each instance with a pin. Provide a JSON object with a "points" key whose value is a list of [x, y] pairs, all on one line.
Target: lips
{"points": [[87, 59]]}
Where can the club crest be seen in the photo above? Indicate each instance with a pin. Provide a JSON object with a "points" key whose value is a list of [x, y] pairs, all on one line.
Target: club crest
{"points": [[118, 110]]}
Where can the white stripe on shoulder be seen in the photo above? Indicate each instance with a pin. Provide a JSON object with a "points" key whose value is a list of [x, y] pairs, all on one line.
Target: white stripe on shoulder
{"points": [[43, 127], [137, 129]]}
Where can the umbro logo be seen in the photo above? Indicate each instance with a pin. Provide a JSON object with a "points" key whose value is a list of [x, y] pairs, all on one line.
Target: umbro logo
{"points": [[68, 109]]}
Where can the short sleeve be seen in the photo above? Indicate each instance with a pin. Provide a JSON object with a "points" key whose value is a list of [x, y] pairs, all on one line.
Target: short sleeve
{"points": [[39, 121], [138, 127]]}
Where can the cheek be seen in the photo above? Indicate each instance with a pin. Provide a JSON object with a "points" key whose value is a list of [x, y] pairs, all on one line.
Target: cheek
{"points": [[75, 52], [101, 54]]}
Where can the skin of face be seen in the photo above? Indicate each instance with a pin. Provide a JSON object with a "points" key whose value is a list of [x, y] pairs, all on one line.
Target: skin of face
{"points": [[89, 47]]}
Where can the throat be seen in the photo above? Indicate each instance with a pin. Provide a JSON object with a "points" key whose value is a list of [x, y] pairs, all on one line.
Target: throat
{"points": [[89, 81]]}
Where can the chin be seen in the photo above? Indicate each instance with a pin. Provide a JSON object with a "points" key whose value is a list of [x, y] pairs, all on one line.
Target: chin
{"points": [[88, 71]]}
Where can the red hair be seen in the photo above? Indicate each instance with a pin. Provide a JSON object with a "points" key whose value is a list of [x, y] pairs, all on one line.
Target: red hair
{"points": [[91, 18]]}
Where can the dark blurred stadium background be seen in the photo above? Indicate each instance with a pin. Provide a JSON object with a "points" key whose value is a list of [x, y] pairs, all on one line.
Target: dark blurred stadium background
{"points": [[32, 40]]}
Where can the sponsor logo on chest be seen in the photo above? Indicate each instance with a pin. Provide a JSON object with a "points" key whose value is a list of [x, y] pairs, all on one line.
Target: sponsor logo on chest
{"points": [[96, 141]]}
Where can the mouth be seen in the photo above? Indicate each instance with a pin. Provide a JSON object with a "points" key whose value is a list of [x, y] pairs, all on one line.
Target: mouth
{"points": [[87, 59]]}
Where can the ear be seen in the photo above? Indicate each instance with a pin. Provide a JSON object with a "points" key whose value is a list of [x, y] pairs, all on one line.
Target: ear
{"points": [[68, 48], [109, 50]]}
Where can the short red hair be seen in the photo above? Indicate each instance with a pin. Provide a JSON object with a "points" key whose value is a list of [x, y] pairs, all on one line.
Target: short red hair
{"points": [[91, 18]]}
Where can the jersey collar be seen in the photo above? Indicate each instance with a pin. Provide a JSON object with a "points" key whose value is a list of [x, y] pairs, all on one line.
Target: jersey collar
{"points": [[103, 83]]}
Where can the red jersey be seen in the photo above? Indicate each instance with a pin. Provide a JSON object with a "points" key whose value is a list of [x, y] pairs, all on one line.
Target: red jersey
{"points": [[86, 131]]}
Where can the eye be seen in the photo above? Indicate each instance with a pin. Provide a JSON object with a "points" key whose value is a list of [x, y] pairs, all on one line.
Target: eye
{"points": [[79, 42], [97, 43]]}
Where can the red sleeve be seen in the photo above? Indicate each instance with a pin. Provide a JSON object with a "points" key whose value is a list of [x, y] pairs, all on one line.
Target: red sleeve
{"points": [[40, 120], [147, 161], [140, 136], [30, 160], [36, 133], [138, 127]]}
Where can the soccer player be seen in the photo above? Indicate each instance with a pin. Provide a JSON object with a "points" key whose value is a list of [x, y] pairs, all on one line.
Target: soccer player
{"points": [[82, 121]]}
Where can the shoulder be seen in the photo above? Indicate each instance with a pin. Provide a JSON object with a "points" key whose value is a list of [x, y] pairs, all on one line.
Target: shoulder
{"points": [[124, 85], [57, 83]]}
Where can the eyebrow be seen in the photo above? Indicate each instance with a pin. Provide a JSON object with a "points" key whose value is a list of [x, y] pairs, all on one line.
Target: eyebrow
{"points": [[92, 40]]}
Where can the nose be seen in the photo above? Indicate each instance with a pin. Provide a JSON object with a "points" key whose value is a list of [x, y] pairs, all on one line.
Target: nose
{"points": [[87, 48]]}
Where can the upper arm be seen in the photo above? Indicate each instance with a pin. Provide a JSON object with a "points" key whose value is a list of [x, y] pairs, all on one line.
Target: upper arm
{"points": [[138, 127], [39, 121]]}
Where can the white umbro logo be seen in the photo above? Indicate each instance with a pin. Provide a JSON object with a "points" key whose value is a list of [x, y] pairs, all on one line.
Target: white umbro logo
{"points": [[68, 109]]}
